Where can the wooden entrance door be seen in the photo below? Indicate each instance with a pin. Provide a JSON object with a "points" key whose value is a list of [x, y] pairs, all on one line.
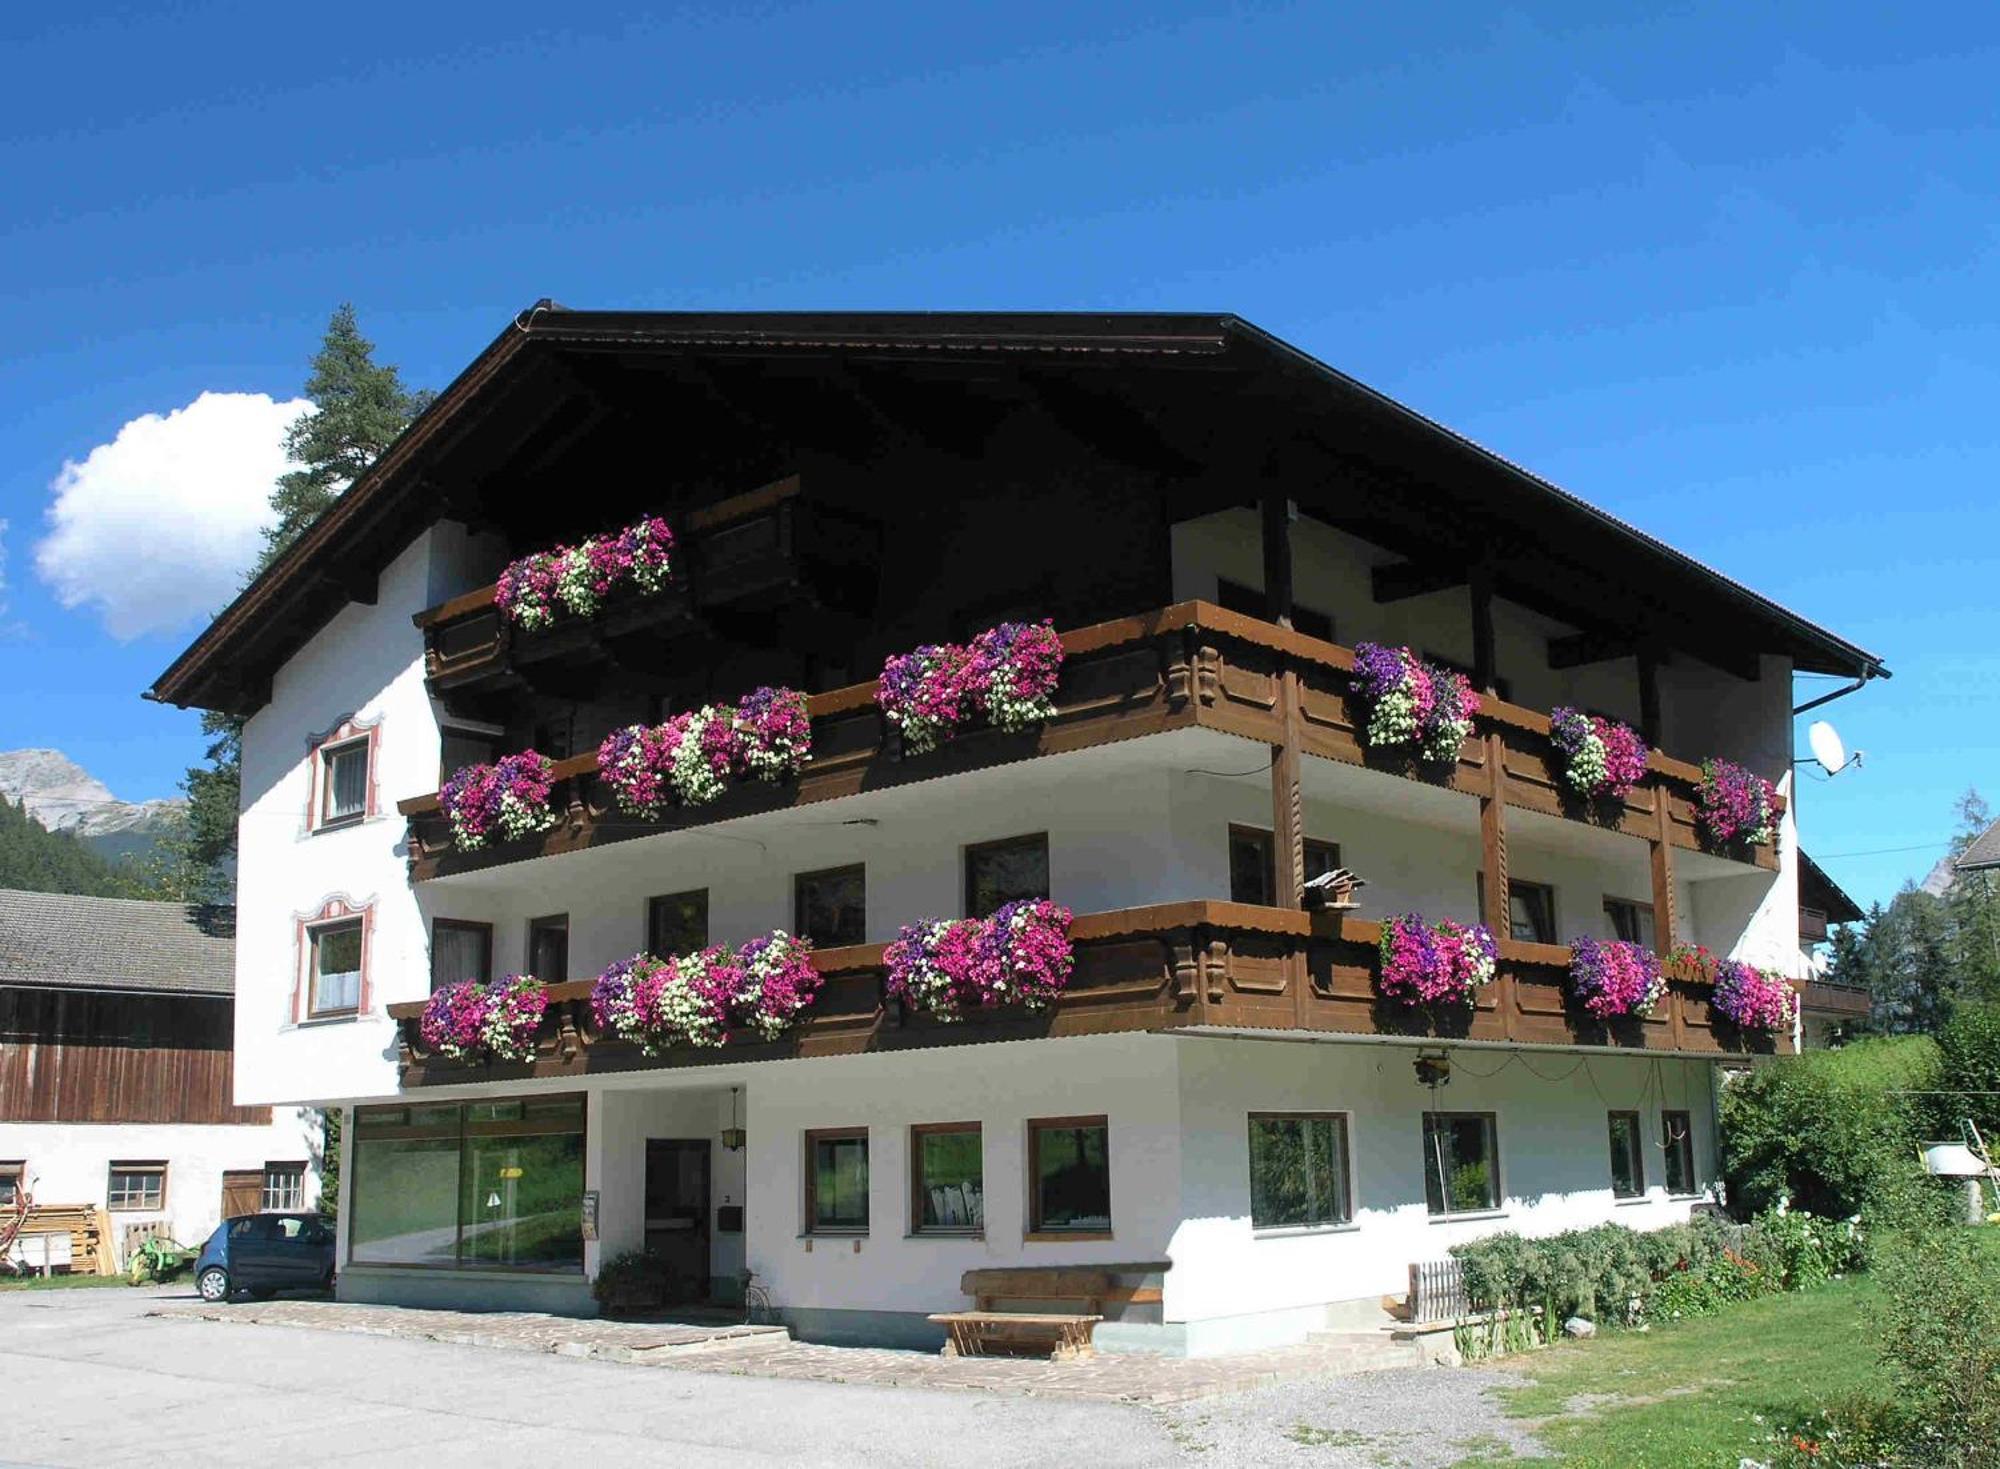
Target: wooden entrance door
{"points": [[242, 1192], [677, 1177]]}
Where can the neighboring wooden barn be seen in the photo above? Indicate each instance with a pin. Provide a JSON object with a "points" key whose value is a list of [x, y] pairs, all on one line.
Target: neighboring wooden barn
{"points": [[117, 1074]]}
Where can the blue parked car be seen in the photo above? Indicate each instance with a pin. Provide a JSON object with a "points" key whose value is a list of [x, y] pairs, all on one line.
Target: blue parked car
{"points": [[262, 1254]]}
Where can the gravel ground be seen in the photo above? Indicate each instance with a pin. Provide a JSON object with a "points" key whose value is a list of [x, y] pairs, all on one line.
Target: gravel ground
{"points": [[1404, 1419]]}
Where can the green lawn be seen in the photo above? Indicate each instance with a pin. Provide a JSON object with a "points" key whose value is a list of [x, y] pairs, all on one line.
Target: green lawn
{"points": [[58, 1282], [1691, 1394]]}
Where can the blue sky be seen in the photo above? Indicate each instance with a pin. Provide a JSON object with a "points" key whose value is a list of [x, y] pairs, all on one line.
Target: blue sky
{"points": [[1730, 272]]}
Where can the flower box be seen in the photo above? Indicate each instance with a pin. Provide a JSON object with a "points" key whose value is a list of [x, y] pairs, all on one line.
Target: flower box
{"points": [[946, 968], [1005, 678], [1602, 759], [1412, 704]]}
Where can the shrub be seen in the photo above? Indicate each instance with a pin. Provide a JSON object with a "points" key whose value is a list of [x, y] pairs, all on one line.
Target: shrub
{"points": [[1796, 1251], [1823, 1131], [637, 1276], [1941, 1341], [1604, 1273], [1704, 1290], [1968, 1064]]}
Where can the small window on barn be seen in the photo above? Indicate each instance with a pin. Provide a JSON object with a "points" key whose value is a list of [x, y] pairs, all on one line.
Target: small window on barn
{"points": [[136, 1186], [11, 1175], [284, 1187]]}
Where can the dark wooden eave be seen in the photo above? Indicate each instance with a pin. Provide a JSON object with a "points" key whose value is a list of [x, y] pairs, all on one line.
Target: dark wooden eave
{"points": [[1203, 403]]}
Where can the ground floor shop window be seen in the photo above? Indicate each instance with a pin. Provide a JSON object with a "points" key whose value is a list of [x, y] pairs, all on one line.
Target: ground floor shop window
{"points": [[1677, 1137], [1628, 1162], [947, 1179], [1298, 1171], [1461, 1162], [837, 1181], [1069, 1176], [488, 1185]]}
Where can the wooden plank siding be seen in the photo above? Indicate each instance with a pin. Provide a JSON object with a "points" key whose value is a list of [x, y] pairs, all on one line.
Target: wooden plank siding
{"points": [[83, 1056], [1161, 968], [1189, 665]]}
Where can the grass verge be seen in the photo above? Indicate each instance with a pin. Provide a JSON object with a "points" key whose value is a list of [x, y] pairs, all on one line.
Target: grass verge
{"points": [[58, 1282], [1697, 1393]]}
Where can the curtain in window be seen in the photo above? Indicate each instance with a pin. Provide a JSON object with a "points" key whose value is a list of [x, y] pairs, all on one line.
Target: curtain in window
{"points": [[337, 968], [347, 782], [457, 953]]}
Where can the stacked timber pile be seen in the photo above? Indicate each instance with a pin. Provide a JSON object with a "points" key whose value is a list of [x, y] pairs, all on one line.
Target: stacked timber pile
{"points": [[87, 1229]]}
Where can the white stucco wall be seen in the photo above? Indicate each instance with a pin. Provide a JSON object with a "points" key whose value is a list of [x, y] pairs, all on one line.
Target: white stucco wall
{"points": [[69, 1162], [365, 665]]}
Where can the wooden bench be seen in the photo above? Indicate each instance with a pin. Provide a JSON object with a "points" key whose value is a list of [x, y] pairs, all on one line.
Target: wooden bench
{"points": [[1061, 1336]]}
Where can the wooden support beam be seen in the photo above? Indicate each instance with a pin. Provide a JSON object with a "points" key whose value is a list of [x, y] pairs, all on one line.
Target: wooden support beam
{"points": [[1400, 580], [1666, 923], [1485, 658], [1288, 821], [1649, 697], [1493, 839], [1277, 524]]}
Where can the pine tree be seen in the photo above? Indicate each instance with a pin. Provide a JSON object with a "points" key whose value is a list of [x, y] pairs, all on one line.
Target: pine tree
{"points": [[359, 409], [38, 860]]}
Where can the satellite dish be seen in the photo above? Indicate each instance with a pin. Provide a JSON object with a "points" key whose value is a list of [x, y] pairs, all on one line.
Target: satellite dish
{"points": [[1826, 747]]}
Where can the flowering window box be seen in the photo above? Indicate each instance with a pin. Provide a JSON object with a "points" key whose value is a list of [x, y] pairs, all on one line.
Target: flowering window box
{"points": [[1413, 707], [1005, 678]]}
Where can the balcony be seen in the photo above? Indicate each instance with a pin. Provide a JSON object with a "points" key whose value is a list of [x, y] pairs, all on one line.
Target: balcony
{"points": [[742, 556], [1191, 665], [1195, 967]]}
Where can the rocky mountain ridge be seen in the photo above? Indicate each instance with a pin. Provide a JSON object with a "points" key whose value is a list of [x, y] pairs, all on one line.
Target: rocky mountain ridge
{"points": [[63, 796]]}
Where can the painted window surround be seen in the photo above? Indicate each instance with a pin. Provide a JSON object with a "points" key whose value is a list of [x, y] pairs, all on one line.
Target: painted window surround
{"points": [[336, 909], [350, 729]]}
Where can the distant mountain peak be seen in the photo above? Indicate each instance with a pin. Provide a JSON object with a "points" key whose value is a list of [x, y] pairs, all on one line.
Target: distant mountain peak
{"points": [[63, 796]]}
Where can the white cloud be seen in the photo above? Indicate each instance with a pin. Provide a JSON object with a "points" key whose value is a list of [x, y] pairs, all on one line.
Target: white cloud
{"points": [[158, 527]]}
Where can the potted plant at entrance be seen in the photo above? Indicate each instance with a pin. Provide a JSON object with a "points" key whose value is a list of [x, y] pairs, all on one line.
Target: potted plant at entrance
{"points": [[633, 1282]]}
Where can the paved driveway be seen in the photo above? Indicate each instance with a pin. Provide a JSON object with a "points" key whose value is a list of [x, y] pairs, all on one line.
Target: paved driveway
{"points": [[87, 1379]]}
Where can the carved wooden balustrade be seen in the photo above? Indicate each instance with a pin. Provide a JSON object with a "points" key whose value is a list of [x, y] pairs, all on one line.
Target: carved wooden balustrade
{"points": [[1191, 665], [1174, 966], [771, 542]]}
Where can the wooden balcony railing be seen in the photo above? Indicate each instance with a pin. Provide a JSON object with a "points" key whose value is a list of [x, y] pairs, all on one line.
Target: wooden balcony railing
{"points": [[1191, 665], [1170, 967], [769, 542]]}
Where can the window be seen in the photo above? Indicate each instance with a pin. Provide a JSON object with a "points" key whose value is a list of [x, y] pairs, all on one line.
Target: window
{"points": [[490, 1185], [1298, 1170], [460, 950], [548, 948], [1628, 1163], [837, 1181], [284, 1187], [1237, 597], [1531, 912], [460, 747], [343, 782], [1630, 921], [1069, 1176], [831, 907], [997, 873], [137, 1186], [947, 1179], [11, 1175], [1461, 1162], [1677, 1136], [677, 923], [1253, 864], [335, 968]]}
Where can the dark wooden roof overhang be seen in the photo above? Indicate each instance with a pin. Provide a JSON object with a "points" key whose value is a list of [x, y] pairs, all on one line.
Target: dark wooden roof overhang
{"points": [[1211, 407]]}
